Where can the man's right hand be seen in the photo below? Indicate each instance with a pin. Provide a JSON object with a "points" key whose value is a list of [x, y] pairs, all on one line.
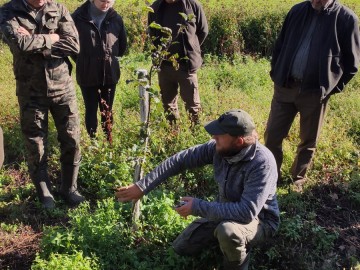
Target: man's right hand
{"points": [[128, 193]]}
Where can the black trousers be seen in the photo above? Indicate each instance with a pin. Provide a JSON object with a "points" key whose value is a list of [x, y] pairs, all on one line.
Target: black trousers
{"points": [[286, 104], [101, 97]]}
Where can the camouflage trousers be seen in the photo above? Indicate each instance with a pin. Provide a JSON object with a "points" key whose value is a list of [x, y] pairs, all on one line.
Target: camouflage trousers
{"points": [[34, 113], [234, 239]]}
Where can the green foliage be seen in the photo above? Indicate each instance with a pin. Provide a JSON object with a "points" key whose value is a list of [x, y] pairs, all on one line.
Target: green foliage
{"points": [[224, 37], [65, 262], [260, 32], [105, 167], [300, 235], [106, 234], [9, 228]]}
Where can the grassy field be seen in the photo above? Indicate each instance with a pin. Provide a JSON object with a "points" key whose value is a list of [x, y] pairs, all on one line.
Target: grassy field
{"points": [[320, 227]]}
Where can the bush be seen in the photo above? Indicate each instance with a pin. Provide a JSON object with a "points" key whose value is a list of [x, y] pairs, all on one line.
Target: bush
{"points": [[224, 37], [260, 32]]}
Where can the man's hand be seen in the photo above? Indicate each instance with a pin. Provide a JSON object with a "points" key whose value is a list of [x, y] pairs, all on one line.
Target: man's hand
{"points": [[54, 38], [23, 32], [185, 210], [129, 193]]}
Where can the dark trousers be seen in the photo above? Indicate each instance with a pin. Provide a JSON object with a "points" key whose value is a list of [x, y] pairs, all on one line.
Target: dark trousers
{"points": [[169, 81], [286, 104], [101, 97], [34, 112]]}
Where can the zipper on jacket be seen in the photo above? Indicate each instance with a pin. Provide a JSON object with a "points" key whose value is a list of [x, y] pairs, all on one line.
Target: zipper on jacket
{"points": [[226, 180], [105, 44], [101, 44]]}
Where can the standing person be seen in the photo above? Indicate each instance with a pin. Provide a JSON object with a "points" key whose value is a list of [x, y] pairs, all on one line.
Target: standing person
{"points": [[315, 56], [187, 45], [246, 210], [102, 39], [41, 35]]}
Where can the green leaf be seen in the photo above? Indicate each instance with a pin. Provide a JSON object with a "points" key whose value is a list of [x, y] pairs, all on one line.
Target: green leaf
{"points": [[148, 9], [191, 17], [185, 17], [155, 25]]}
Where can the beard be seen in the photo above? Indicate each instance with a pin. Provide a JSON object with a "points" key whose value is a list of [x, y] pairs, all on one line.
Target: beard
{"points": [[227, 152]]}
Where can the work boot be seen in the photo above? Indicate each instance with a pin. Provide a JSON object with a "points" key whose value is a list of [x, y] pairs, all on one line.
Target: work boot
{"points": [[43, 189], [68, 188], [194, 120], [299, 185]]}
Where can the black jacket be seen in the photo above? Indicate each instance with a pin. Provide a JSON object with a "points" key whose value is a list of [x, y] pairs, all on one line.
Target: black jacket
{"points": [[334, 51], [97, 63], [195, 32]]}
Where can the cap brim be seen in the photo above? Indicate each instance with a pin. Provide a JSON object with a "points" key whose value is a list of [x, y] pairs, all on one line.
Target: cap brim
{"points": [[213, 128]]}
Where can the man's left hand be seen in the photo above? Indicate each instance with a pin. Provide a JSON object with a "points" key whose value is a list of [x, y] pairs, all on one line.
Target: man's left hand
{"points": [[185, 210], [23, 32]]}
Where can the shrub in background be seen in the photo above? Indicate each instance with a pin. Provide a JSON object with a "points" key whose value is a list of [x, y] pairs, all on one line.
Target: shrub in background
{"points": [[224, 37], [260, 32]]}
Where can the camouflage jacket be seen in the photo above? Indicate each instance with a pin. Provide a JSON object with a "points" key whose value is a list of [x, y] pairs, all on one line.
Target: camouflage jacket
{"points": [[40, 67]]}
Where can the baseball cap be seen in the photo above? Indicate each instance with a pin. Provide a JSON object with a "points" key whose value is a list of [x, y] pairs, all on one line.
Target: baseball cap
{"points": [[235, 122]]}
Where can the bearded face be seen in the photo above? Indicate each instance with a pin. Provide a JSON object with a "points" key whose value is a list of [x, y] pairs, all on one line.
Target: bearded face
{"points": [[226, 145]]}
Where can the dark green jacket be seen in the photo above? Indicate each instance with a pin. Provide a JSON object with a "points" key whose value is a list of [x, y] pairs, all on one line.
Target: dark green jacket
{"points": [[97, 63], [195, 32], [40, 68]]}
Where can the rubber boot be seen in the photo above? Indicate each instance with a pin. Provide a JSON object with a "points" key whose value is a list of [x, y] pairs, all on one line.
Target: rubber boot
{"points": [[68, 188], [43, 189]]}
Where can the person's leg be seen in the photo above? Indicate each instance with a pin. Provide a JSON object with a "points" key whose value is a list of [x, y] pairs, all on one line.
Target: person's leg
{"points": [[189, 92], [169, 92], [281, 117], [106, 101], [90, 96], [34, 126], [236, 239], [312, 114], [65, 112], [199, 235]]}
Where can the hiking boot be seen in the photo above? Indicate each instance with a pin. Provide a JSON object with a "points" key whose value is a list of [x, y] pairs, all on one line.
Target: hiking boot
{"points": [[299, 185], [48, 202]]}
